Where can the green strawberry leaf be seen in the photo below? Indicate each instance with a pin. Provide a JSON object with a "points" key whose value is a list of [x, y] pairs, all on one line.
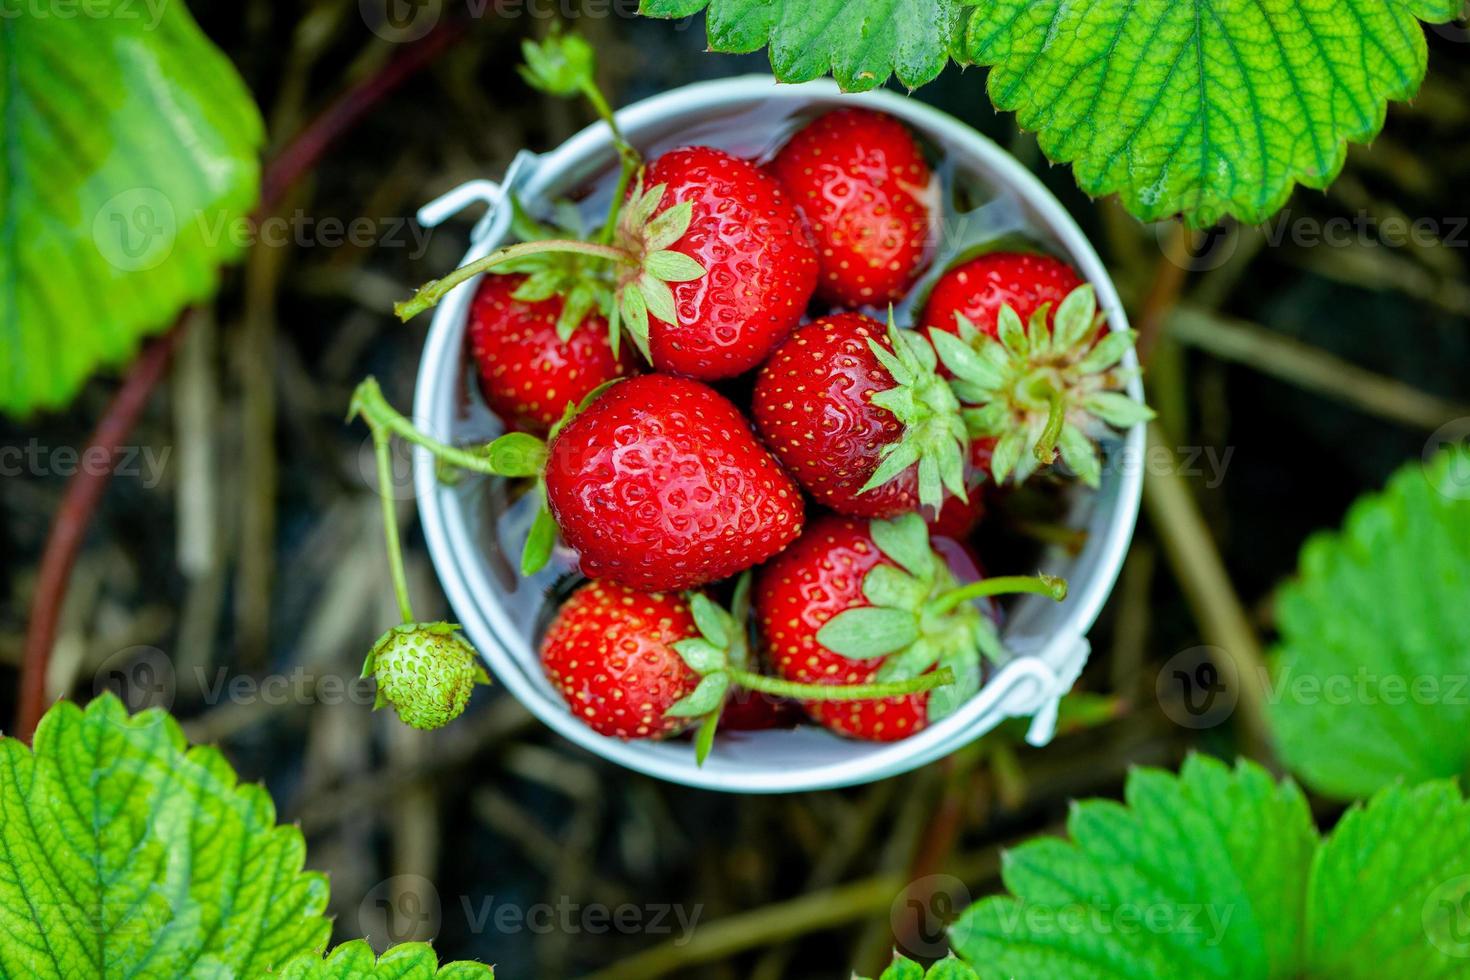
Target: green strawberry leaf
{"points": [[123, 852], [1220, 873], [861, 43], [356, 961], [1369, 676], [131, 159], [1204, 108]]}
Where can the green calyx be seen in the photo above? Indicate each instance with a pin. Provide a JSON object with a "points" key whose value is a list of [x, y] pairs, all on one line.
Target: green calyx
{"points": [[624, 270], [645, 234], [426, 671], [1041, 390], [721, 656], [919, 617], [934, 432]]}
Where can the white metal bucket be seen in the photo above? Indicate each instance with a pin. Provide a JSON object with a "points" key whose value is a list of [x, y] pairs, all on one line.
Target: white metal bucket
{"points": [[473, 538]]}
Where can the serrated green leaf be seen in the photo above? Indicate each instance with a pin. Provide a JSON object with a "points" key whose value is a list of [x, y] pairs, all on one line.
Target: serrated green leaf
{"points": [[1207, 109], [905, 540], [1389, 888], [407, 961], [902, 968], [1215, 861], [130, 163], [706, 697], [859, 42], [1219, 873], [1369, 679], [127, 853], [868, 632], [951, 968]]}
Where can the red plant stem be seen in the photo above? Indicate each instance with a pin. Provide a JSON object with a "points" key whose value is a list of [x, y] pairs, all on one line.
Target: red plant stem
{"points": [[85, 488], [69, 528]]}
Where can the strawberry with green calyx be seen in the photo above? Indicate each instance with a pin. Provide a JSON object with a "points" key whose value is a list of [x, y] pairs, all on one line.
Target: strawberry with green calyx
{"points": [[427, 671], [624, 271], [1053, 385], [862, 418], [657, 482], [857, 602], [648, 665]]}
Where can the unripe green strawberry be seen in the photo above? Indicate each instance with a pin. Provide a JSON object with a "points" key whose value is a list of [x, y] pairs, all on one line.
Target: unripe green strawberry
{"points": [[426, 671]]}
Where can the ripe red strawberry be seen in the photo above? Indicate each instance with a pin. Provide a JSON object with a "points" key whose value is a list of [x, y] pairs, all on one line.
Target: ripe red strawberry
{"points": [[660, 484], [528, 372], [648, 665], [856, 601], [860, 418], [610, 653], [979, 288], [759, 265], [862, 182]]}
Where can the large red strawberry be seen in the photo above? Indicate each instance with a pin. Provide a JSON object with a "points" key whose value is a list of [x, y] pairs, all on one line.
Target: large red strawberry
{"points": [[660, 484], [759, 267], [531, 367], [857, 601], [860, 417], [863, 183], [648, 665], [977, 290]]}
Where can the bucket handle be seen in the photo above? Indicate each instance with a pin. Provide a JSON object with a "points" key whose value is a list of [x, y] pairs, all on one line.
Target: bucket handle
{"points": [[1034, 687]]}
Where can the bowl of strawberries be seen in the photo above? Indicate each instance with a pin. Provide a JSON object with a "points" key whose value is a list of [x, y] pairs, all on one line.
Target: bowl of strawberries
{"points": [[722, 408]]}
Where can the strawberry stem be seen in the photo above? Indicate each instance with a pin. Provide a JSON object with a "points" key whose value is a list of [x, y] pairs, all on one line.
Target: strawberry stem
{"points": [[841, 692], [383, 450], [1047, 585], [1046, 446], [368, 401], [432, 292]]}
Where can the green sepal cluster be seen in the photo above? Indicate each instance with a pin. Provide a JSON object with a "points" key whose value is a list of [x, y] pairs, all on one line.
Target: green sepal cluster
{"points": [[585, 283], [646, 233], [723, 643], [935, 436], [561, 65], [1040, 388], [909, 623], [426, 671]]}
